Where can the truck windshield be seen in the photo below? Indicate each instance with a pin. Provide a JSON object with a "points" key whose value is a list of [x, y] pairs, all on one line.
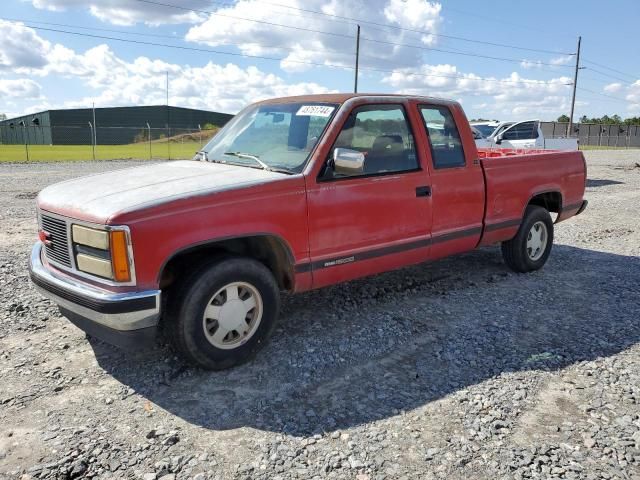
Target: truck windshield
{"points": [[484, 129], [271, 136]]}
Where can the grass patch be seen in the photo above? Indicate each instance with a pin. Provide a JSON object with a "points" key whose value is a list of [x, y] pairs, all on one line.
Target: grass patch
{"points": [[66, 153]]}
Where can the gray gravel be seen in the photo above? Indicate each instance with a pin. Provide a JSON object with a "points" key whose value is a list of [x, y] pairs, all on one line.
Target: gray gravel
{"points": [[457, 369]]}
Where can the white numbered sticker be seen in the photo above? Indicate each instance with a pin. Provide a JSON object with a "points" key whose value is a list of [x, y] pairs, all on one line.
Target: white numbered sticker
{"points": [[315, 110]]}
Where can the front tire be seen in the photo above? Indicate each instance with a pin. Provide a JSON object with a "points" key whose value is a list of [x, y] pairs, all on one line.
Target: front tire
{"points": [[531, 247], [224, 313]]}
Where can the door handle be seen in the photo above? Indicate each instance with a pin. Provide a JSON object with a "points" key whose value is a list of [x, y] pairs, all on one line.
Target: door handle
{"points": [[424, 191]]}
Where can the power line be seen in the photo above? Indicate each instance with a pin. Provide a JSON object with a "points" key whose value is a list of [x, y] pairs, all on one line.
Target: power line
{"points": [[604, 95], [468, 54], [246, 19], [279, 59], [469, 78], [172, 37], [612, 69], [355, 20], [183, 47], [336, 52], [491, 18], [626, 82], [388, 25]]}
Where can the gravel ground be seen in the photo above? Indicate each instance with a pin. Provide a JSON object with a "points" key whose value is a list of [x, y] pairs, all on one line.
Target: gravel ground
{"points": [[457, 369]]}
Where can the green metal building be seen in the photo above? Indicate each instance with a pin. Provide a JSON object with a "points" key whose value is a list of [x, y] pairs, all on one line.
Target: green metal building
{"points": [[112, 126]]}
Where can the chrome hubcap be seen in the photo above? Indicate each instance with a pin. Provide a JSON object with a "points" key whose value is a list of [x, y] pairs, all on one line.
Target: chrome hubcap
{"points": [[232, 315], [537, 240]]}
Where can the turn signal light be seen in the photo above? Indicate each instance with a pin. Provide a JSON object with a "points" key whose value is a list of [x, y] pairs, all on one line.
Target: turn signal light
{"points": [[120, 256]]}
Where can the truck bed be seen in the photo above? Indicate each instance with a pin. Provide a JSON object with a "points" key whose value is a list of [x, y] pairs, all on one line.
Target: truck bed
{"points": [[510, 152], [514, 177]]}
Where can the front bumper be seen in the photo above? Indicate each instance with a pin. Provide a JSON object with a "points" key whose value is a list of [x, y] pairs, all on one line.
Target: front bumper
{"points": [[128, 319]]}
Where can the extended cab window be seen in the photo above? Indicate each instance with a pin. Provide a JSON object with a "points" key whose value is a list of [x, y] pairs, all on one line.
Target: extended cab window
{"points": [[381, 136], [444, 138], [522, 131]]}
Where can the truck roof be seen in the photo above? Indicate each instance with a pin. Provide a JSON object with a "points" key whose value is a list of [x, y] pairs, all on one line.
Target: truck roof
{"points": [[343, 97]]}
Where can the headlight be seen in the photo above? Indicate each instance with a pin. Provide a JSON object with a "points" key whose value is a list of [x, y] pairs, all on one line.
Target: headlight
{"points": [[102, 253], [90, 237]]}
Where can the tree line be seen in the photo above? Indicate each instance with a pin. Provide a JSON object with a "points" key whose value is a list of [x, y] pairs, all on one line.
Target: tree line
{"points": [[605, 120]]}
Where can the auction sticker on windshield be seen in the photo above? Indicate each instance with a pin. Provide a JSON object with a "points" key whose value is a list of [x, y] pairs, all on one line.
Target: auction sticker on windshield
{"points": [[315, 110]]}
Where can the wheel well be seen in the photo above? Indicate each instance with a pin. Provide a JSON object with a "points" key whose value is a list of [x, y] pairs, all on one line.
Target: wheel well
{"points": [[267, 249], [552, 201]]}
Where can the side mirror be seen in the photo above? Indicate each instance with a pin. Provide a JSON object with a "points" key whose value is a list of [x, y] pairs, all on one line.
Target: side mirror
{"points": [[498, 139], [348, 162]]}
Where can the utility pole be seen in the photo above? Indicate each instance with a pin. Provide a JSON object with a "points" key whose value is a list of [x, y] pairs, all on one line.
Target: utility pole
{"points": [[93, 145], [168, 120], [95, 128], [355, 87], [575, 84]]}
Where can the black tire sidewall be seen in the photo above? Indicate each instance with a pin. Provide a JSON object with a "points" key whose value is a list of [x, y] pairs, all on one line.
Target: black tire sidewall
{"points": [[196, 297], [533, 215]]}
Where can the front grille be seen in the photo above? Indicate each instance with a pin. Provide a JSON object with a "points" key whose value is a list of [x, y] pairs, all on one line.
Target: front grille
{"points": [[58, 248]]}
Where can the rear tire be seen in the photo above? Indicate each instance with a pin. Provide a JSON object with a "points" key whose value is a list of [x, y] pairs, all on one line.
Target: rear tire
{"points": [[223, 313], [531, 247]]}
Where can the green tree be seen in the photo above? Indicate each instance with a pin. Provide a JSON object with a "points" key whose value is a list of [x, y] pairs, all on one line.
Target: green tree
{"points": [[563, 119], [3, 116]]}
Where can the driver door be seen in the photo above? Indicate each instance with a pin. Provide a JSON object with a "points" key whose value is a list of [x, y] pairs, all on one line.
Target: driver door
{"points": [[376, 219]]}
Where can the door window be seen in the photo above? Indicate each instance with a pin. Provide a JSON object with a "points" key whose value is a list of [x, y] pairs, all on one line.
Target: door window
{"points": [[522, 131], [444, 138], [383, 135]]}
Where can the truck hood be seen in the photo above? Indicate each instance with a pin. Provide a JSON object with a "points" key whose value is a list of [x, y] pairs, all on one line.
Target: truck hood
{"points": [[97, 198]]}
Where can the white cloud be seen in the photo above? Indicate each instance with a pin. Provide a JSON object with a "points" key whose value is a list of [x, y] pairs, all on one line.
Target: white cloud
{"points": [[628, 92], [633, 96], [304, 43], [128, 12], [554, 62], [139, 82], [613, 87], [224, 88], [512, 95], [565, 60], [415, 14], [20, 88], [21, 47]]}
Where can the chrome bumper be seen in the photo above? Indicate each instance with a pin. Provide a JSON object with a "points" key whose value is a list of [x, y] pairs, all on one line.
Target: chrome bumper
{"points": [[117, 312]]}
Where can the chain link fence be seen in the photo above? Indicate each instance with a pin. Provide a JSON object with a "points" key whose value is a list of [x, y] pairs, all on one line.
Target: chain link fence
{"points": [[23, 143]]}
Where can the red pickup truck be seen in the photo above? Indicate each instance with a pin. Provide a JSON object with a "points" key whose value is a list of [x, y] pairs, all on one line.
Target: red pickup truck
{"points": [[292, 194]]}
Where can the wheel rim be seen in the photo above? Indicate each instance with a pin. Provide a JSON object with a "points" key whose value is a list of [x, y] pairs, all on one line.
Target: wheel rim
{"points": [[537, 240], [232, 315]]}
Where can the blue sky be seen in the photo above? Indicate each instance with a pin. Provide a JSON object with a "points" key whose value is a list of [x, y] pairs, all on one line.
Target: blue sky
{"points": [[41, 69]]}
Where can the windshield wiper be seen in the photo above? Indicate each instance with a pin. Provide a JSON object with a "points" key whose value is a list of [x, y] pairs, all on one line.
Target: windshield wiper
{"points": [[255, 158]]}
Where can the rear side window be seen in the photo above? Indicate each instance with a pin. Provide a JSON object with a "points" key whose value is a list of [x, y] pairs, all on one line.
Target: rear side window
{"points": [[444, 137], [522, 131]]}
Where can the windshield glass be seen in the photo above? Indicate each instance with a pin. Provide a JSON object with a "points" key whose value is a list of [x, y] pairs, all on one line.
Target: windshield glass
{"points": [[502, 128], [485, 130], [278, 136]]}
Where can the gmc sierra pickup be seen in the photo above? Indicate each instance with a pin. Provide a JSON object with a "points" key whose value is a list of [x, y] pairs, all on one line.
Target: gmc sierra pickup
{"points": [[292, 194]]}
